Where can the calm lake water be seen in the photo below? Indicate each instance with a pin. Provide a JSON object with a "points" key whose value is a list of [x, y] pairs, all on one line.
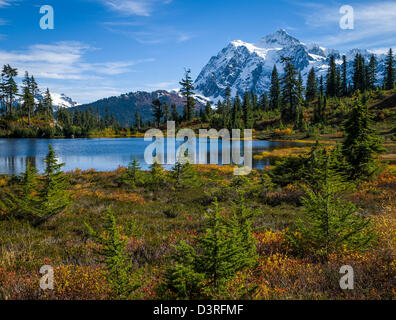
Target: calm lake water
{"points": [[101, 154]]}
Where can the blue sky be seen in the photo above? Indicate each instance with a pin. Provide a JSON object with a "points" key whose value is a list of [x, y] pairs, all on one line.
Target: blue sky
{"points": [[101, 48]]}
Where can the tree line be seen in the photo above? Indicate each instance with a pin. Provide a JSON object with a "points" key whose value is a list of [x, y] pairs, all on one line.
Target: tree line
{"points": [[27, 114], [287, 94]]}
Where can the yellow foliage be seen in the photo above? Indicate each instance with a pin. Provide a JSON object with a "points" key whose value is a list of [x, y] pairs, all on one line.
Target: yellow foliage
{"points": [[283, 153], [284, 132], [385, 226], [82, 283], [3, 182], [214, 168]]}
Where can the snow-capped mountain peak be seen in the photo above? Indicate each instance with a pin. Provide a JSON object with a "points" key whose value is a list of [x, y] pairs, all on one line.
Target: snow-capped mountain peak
{"points": [[244, 66], [58, 100], [279, 39], [62, 101]]}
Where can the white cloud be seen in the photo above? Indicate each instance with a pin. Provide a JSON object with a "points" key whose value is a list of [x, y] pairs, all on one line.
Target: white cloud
{"points": [[375, 23], [151, 34], [6, 3], [64, 61], [134, 7], [63, 68], [166, 85]]}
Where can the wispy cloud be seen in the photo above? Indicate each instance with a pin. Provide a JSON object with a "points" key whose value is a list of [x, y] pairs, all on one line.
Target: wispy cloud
{"points": [[63, 60], [134, 7], [375, 23], [166, 85], [150, 34], [7, 3], [144, 31]]}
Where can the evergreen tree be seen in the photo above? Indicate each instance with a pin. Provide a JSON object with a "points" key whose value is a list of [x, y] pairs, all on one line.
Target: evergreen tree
{"points": [[107, 118], [132, 176], [321, 87], [29, 180], [118, 265], [28, 98], [226, 247], [389, 76], [207, 112], [137, 119], [330, 223], [247, 111], [332, 85], [372, 79], [53, 197], [344, 79], [175, 114], [323, 114], [275, 91], [264, 102], [236, 112], [359, 74], [227, 108], [184, 174], [254, 100], [47, 104], [157, 111], [21, 204], [300, 106], [289, 91], [361, 143], [182, 279], [38, 205], [63, 116], [166, 113], [157, 176], [312, 86], [187, 91], [338, 83], [9, 88], [317, 112]]}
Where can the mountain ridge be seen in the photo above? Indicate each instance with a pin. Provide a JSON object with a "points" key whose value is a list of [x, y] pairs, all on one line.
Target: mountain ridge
{"points": [[244, 66], [123, 107]]}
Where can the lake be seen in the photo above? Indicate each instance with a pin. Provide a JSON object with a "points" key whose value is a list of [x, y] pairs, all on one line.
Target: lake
{"points": [[101, 154]]}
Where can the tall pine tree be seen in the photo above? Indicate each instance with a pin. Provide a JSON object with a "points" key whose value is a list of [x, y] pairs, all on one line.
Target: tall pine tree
{"points": [[312, 86], [389, 76], [275, 92], [332, 83], [289, 84], [187, 91], [157, 111], [344, 77]]}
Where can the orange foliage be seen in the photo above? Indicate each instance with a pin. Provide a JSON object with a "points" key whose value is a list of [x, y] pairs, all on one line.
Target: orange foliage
{"points": [[284, 132], [214, 168], [118, 196]]}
